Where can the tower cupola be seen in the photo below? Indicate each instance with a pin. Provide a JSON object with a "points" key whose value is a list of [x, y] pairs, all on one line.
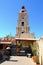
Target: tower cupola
{"points": [[23, 7]]}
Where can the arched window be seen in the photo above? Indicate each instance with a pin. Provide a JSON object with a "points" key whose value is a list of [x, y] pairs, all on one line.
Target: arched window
{"points": [[22, 23]]}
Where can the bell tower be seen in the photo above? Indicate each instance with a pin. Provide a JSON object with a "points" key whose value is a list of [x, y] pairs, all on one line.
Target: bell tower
{"points": [[23, 26]]}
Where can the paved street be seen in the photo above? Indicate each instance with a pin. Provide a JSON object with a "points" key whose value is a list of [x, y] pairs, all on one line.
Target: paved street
{"points": [[19, 60]]}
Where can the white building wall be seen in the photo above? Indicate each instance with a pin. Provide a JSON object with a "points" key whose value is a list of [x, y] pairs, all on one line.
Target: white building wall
{"points": [[40, 43]]}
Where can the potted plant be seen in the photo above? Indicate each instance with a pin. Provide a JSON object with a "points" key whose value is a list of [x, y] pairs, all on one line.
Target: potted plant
{"points": [[19, 45], [37, 60], [34, 52], [34, 55]]}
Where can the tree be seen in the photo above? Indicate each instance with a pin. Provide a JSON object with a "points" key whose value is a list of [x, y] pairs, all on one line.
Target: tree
{"points": [[9, 37], [34, 48], [19, 46]]}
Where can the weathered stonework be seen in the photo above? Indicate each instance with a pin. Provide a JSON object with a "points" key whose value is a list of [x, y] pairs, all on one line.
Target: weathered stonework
{"points": [[23, 29]]}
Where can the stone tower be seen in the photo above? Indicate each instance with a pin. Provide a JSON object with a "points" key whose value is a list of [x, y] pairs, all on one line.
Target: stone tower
{"points": [[23, 27]]}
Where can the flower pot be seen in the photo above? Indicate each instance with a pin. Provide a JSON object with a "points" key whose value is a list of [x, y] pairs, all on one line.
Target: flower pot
{"points": [[38, 64], [34, 58]]}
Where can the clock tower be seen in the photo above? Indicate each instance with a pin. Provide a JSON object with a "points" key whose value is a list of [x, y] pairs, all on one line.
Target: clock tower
{"points": [[22, 22]]}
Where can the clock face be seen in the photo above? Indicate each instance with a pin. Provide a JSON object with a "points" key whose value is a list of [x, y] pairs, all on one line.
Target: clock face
{"points": [[23, 15]]}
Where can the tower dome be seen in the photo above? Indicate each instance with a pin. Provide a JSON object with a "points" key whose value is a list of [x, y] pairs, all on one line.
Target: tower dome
{"points": [[23, 7]]}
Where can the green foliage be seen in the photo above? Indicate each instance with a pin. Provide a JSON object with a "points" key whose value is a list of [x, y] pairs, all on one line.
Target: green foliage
{"points": [[9, 36], [34, 48], [37, 59], [33, 51], [19, 45]]}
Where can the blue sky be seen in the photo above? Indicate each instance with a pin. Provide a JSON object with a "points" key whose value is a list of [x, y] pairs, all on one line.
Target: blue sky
{"points": [[9, 15]]}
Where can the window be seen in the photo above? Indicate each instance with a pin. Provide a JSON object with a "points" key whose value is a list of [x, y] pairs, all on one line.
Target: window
{"points": [[23, 32], [22, 23], [22, 11]]}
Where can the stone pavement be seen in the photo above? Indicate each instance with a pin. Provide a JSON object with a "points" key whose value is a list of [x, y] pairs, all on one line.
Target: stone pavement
{"points": [[19, 60]]}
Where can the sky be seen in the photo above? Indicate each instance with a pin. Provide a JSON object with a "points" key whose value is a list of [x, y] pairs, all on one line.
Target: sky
{"points": [[9, 10]]}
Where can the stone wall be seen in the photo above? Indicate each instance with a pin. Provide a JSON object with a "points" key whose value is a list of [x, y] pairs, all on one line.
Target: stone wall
{"points": [[40, 50]]}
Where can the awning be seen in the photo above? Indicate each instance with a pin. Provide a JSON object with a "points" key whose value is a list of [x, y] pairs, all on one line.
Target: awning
{"points": [[5, 42]]}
